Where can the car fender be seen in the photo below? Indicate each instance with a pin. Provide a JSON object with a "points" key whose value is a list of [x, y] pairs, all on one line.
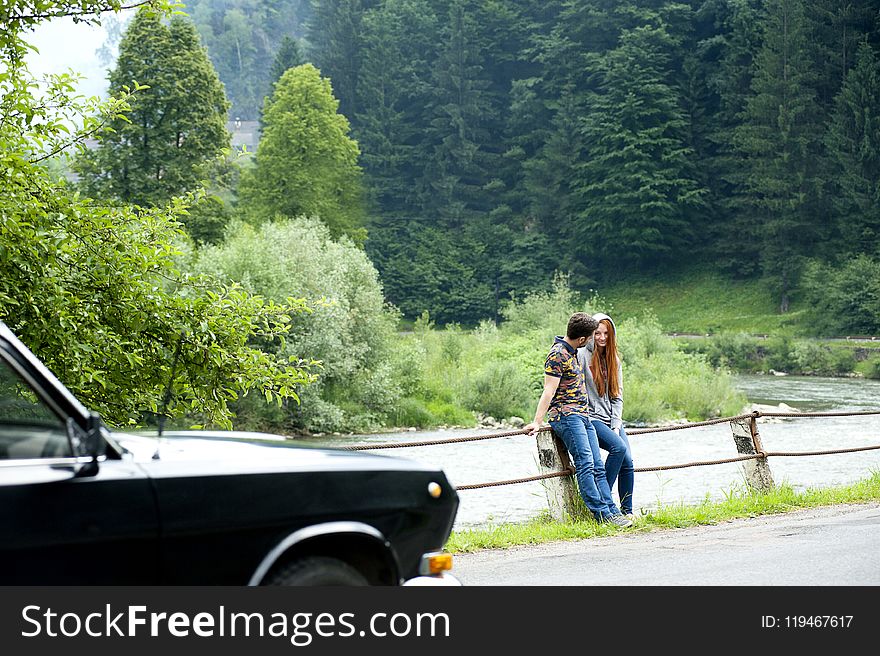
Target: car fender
{"points": [[316, 531]]}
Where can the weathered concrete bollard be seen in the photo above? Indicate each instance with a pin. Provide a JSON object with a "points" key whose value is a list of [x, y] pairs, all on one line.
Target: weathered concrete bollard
{"points": [[748, 442], [563, 497]]}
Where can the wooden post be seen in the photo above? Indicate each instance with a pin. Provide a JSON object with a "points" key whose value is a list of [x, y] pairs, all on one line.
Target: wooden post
{"points": [[748, 442], [563, 497]]}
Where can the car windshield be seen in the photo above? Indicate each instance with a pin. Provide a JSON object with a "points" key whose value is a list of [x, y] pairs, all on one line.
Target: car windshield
{"points": [[28, 427]]}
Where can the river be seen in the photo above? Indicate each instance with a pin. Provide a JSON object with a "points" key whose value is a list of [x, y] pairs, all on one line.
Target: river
{"points": [[515, 457]]}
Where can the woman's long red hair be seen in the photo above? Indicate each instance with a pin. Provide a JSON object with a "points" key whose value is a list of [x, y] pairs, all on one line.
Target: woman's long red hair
{"points": [[610, 364]]}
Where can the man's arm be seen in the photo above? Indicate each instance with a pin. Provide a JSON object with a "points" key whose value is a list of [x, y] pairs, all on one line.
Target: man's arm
{"points": [[551, 383]]}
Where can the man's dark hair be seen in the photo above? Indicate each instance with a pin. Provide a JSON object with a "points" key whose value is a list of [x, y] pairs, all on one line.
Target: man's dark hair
{"points": [[581, 324]]}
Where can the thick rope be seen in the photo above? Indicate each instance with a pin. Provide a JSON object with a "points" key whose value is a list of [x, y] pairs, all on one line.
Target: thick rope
{"points": [[513, 481], [700, 463], [708, 422], [635, 431], [569, 472], [450, 440]]}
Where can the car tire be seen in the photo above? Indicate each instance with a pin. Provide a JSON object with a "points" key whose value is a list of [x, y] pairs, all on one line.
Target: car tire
{"points": [[317, 570]]}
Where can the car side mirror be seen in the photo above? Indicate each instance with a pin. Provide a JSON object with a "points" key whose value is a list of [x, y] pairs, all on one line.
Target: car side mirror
{"points": [[92, 444]]}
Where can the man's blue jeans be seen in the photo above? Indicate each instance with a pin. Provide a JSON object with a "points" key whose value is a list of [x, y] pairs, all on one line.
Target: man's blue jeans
{"points": [[579, 437], [619, 464]]}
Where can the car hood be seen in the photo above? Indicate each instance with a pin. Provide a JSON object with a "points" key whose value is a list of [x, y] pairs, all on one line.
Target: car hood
{"points": [[240, 452]]}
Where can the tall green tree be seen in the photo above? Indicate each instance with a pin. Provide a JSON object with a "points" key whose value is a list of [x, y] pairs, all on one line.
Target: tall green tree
{"points": [[854, 148], [636, 183], [732, 48], [289, 55], [837, 27], [167, 144], [306, 162], [99, 292], [394, 91], [335, 36], [781, 139], [460, 164]]}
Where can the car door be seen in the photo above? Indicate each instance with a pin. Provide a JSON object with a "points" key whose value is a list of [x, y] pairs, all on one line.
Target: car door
{"points": [[57, 527]]}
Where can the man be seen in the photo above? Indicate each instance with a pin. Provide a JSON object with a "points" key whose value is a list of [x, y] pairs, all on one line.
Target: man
{"points": [[565, 402]]}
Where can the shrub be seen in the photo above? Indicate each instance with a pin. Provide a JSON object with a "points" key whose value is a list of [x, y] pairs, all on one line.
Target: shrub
{"points": [[350, 330], [500, 389], [845, 299], [547, 312]]}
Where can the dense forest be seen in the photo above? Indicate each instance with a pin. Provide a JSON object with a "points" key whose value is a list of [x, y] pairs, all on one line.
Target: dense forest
{"points": [[503, 140], [453, 163]]}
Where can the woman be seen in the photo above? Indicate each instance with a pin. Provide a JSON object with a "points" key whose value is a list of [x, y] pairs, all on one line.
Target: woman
{"points": [[603, 376]]}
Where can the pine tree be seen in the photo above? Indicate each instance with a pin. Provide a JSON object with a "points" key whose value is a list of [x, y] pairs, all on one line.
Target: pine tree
{"points": [[176, 127], [289, 55], [854, 146], [781, 140], [243, 37], [737, 41], [397, 54], [636, 182], [306, 162], [334, 33], [458, 127]]}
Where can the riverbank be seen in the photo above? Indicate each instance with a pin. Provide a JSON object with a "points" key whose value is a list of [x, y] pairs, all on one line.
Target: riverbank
{"points": [[738, 504]]}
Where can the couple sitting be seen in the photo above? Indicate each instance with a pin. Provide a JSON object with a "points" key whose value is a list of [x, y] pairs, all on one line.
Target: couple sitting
{"points": [[583, 398]]}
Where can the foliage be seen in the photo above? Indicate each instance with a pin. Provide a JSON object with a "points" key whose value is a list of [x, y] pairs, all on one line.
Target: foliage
{"points": [[662, 382], [780, 142], [166, 145], [871, 368], [349, 330], [854, 145], [637, 184], [545, 311], [306, 164], [243, 38], [98, 293], [289, 55], [844, 299]]}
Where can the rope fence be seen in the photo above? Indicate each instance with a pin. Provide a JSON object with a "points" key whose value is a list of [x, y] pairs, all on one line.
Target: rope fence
{"points": [[569, 471]]}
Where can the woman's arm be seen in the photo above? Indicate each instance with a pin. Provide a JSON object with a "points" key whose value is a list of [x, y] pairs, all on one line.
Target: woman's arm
{"points": [[617, 402]]}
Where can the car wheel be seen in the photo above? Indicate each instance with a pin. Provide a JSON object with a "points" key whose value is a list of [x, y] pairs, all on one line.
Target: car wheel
{"points": [[317, 570]]}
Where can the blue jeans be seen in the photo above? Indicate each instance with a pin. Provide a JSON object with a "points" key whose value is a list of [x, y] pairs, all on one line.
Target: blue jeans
{"points": [[580, 439], [619, 464]]}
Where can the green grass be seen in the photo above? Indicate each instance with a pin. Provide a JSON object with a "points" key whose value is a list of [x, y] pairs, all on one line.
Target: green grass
{"points": [[738, 504], [704, 302]]}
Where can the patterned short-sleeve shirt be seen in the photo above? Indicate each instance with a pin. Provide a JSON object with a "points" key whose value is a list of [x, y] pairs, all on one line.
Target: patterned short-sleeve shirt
{"points": [[571, 395]]}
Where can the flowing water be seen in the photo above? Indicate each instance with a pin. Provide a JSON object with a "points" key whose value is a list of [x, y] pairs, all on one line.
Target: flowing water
{"points": [[516, 457]]}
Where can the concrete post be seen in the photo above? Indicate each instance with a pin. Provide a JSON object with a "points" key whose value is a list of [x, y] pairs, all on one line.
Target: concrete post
{"points": [[563, 497], [748, 442]]}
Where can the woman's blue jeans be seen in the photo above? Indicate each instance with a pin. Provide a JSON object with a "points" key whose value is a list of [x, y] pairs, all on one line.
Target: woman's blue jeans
{"points": [[619, 464], [580, 439]]}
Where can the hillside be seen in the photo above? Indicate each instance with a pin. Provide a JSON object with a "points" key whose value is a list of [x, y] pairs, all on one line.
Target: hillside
{"points": [[705, 302]]}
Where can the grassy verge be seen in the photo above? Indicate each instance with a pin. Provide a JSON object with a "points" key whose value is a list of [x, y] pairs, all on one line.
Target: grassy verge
{"points": [[704, 302], [738, 504]]}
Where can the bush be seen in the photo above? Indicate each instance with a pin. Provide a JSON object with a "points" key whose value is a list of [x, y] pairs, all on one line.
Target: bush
{"points": [[736, 351], [350, 330], [547, 312], [845, 299], [871, 367], [500, 389], [662, 382]]}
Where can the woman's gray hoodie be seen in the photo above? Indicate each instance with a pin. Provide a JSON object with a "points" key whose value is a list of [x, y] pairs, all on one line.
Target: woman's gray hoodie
{"points": [[607, 410]]}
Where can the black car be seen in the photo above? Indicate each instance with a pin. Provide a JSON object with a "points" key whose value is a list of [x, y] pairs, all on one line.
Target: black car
{"points": [[80, 504]]}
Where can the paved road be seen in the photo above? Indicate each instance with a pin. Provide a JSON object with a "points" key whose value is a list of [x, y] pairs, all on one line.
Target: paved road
{"points": [[837, 545]]}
